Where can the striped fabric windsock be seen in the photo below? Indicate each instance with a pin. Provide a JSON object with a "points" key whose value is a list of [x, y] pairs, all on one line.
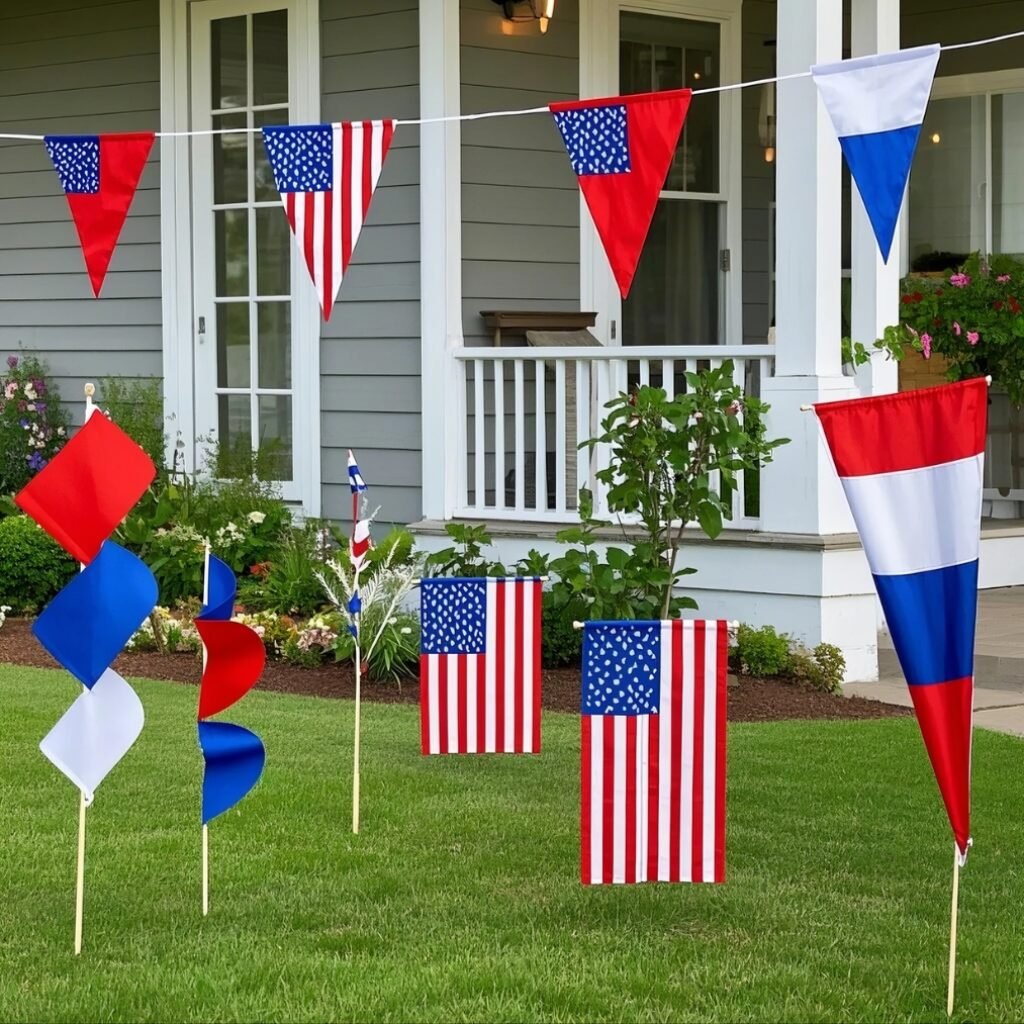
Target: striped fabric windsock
{"points": [[360, 545], [920, 454]]}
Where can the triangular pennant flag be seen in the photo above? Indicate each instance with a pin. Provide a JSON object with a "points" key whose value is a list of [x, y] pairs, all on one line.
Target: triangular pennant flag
{"points": [[621, 149], [88, 623], [326, 174], [923, 450], [877, 106], [360, 545], [88, 487], [95, 732], [235, 657], [222, 587], [99, 175], [234, 762]]}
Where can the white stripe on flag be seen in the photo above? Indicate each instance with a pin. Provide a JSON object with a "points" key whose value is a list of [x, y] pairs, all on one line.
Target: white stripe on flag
{"points": [[452, 688], [433, 719], [710, 684], [619, 796], [598, 724], [491, 679], [686, 787], [881, 503], [472, 742], [510, 641], [336, 212], [643, 816], [376, 152], [879, 93], [666, 718], [318, 242], [355, 212], [526, 692]]}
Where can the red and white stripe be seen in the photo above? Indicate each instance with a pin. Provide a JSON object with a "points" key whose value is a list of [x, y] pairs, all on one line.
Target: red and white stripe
{"points": [[653, 786], [360, 544], [488, 703], [327, 224]]}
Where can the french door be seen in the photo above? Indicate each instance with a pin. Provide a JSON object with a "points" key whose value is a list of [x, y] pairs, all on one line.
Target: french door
{"points": [[252, 326]]}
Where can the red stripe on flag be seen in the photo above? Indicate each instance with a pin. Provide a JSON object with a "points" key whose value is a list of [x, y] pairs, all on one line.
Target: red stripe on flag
{"points": [[518, 668], [442, 703], [481, 703], [308, 240], [586, 805], [722, 693], [367, 167], [328, 296], [697, 813], [289, 208], [675, 804], [538, 599], [888, 433], [653, 795], [499, 666], [462, 684], [608, 799], [632, 823], [346, 195], [425, 706]]}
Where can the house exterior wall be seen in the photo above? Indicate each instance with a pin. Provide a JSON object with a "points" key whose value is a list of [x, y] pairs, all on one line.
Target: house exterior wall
{"points": [[89, 66]]}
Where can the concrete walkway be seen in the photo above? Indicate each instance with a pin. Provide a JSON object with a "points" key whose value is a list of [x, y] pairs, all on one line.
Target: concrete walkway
{"points": [[998, 665]]}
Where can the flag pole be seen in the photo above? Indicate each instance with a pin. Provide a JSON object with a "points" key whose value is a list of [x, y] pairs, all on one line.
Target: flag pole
{"points": [[951, 986], [206, 828], [90, 390], [355, 745]]}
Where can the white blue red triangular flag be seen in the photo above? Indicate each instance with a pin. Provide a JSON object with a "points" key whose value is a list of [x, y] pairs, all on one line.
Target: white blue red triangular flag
{"points": [[355, 478], [923, 451], [95, 732], [877, 106], [326, 174]]}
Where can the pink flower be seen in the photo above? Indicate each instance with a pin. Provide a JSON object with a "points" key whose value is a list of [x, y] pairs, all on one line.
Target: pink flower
{"points": [[956, 329], [11, 389], [959, 280], [926, 345], [972, 337], [1003, 278]]}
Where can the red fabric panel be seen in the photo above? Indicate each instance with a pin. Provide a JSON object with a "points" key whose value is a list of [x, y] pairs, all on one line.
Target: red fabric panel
{"points": [[235, 657]]}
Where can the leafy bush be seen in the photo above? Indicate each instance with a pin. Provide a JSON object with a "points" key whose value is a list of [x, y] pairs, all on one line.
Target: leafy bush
{"points": [[561, 645], [33, 426], [136, 405], [288, 583], [762, 652], [176, 556], [33, 566], [465, 557]]}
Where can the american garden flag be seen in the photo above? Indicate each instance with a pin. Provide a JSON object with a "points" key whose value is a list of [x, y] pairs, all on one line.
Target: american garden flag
{"points": [[653, 752], [480, 666], [326, 174]]}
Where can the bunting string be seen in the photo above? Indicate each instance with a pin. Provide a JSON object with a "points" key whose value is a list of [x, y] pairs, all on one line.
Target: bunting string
{"points": [[730, 87]]}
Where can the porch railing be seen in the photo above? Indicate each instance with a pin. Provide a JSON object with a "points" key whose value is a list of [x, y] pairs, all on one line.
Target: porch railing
{"points": [[525, 411]]}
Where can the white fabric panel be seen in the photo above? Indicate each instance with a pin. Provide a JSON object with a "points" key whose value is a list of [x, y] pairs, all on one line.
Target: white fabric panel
{"points": [[878, 93], [885, 507], [95, 732]]}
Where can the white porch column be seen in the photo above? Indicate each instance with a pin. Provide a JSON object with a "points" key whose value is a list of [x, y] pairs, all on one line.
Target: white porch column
{"points": [[818, 588], [440, 257], [874, 28]]}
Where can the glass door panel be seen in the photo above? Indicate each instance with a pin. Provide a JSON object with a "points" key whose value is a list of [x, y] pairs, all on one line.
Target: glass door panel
{"points": [[1008, 173]]}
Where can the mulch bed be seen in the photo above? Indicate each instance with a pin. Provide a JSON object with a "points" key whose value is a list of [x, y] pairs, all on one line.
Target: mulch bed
{"points": [[750, 700]]}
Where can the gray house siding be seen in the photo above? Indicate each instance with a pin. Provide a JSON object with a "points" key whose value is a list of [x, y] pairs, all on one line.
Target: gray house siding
{"points": [[94, 66], [370, 349]]}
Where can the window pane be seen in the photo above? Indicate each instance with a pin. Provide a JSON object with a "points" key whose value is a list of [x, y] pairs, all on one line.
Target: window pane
{"points": [[674, 298], [275, 429], [1008, 173], [266, 189], [275, 344], [234, 434], [270, 57], [228, 68], [233, 345], [231, 229], [273, 252], [230, 161], [657, 53], [947, 204]]}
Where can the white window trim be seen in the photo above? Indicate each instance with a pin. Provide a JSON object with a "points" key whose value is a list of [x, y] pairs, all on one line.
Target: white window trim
{"points": [[176, 250], [599, 76]]}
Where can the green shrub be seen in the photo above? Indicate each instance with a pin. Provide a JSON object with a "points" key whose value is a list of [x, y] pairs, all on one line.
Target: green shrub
{"points": [[175, 556], [287, 584], [136, 405], [762, 652], [561, 645], [33, 566]]}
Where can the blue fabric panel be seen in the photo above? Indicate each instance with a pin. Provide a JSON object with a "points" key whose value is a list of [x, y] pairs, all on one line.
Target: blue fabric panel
{"points": [[222, 591], [234, 762]]}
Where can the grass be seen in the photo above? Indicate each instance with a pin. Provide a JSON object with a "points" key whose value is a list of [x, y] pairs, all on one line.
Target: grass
{"points": [[461, 900]]}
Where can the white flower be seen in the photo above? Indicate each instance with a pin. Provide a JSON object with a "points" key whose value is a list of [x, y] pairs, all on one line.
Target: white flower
{"points": [[30, 392], [60, 431], [257, 517], [31, 407]]}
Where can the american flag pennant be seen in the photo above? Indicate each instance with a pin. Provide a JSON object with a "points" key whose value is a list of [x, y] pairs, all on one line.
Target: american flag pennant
{"points": [[326, 174], [653, 752]]}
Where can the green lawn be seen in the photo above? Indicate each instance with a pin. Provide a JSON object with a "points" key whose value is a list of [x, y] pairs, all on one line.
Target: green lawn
{"points": [[460, 900]]}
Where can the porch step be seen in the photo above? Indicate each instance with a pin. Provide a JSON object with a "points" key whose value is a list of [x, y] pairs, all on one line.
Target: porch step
{"points": [[991, 672]]}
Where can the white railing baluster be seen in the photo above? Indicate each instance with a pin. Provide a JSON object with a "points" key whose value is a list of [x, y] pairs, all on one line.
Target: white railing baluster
{"points": [[582, 455], [519, 422], [540, 487], [561, 441], [479, 446], [668, 378], [645, 373], [499, 435]]}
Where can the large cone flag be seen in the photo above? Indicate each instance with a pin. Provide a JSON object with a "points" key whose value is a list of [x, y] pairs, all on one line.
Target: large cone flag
{"points": [[99, 175], [621, 149], [877, 106], [326, 174], [923, 450]]}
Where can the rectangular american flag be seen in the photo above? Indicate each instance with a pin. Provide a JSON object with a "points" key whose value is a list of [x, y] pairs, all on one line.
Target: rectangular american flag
{"points": [[480, 666], [326, 174], [653, 752]]}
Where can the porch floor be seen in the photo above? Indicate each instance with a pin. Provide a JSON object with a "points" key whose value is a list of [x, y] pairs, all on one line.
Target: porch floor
{"points": [[998, 665]]}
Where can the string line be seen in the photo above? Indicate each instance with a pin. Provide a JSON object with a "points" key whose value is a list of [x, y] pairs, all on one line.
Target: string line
{"points": [[732, 86]]}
